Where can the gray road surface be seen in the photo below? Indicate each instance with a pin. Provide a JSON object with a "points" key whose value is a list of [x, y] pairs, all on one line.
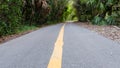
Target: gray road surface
{"points": [[82, 49]]}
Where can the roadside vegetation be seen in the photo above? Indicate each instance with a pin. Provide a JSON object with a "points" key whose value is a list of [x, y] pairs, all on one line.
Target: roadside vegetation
{"points": [[17, 15], [21, 15], [99, 12]]}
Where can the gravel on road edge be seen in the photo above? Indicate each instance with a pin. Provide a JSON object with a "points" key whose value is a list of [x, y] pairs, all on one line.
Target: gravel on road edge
{"points": [[111, 32]]}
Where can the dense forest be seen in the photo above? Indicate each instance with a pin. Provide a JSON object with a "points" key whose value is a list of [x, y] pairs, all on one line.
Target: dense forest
{"points": [[16, 14], [100, 12]]}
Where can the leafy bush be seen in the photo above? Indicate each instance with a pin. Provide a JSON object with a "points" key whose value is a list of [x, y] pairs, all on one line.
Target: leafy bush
{"points": [[58, 8], [14, 13], [110, 20], [97, 11], [97, 20], [10, 16], [42, 11]]}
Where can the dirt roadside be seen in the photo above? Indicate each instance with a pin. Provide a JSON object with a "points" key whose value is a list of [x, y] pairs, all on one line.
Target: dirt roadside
{"points": [[111, 32]]}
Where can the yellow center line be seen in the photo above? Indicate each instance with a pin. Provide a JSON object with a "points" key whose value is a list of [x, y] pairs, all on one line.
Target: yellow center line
{"points": [[56, 58]]}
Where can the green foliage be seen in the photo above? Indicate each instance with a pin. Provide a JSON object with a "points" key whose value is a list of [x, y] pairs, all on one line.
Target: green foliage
{"points": [[70, 14], [10, 16], [58, 8], [98, 11], [17, 13], [110, 19], [97, 20], [26, 28], [35, 12]]}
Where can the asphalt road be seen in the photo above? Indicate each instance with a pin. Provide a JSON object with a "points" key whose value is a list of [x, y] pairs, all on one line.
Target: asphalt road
{"points": [[81, 49]]}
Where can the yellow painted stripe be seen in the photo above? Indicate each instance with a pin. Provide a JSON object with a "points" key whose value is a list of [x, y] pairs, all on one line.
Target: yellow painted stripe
{"points": [[56, 58]]}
